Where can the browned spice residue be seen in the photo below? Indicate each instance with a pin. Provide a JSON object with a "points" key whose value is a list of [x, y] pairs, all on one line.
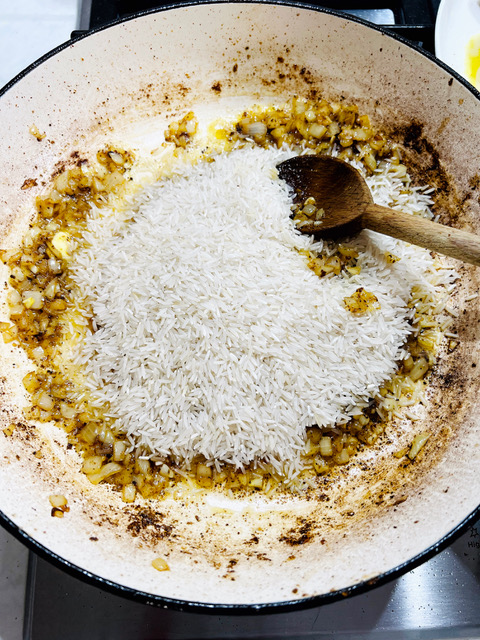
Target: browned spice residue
{"points": [[149, 523], [28, 184], [426, 167], [474, 182], [304, 533]]}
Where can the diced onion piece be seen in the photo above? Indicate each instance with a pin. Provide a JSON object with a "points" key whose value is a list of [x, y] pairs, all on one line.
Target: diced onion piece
{"points": [[320, 465], [45, 401], [165, 470], [160, 564], [17, 274], [256, 129], [67, 411], [119, 450], [203, 471], [58, 305], [61, 244], [107, 470], [34, 131], [362, 419], [31, 382], [51, 289], [105, 435], [317, 130], [343, 457], [32, 299], [326, 449], [8, 431], [418, 442], [54, 266], [143, 466], [129, 492], [92, 464], [354, 271], [57, 500], [89, 432], [117, 157], [13, 297], [256, 482], [419, 369], [9, 334], [38, 353]]}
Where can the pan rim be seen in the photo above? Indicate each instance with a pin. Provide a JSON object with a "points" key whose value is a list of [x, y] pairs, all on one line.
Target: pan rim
{"points": [[193, 3], [284, 606]]}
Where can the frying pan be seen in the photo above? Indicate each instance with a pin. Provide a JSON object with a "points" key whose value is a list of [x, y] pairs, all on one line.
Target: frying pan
{"points": [[380, 515]]}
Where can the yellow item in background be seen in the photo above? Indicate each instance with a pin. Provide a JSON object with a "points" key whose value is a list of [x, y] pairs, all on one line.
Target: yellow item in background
{"points": [[472, 61]]}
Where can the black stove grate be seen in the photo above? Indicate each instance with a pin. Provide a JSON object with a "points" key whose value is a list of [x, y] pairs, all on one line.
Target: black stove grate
{"points": [[412, 19]]}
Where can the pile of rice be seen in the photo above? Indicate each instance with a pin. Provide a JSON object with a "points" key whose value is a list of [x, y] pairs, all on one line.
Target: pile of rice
{"points": [[213, 337]]}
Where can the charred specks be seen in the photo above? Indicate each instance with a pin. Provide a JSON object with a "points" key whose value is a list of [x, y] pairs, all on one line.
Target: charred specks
{"points": [[447, 380], [474, 182], [301, 534], [426, 168], [450, 82], [77, 159], [93, 538], [413, 138], [306, 75], [28, 184], [217, 87], [235, 68], [104, 519], [149, 524], [22, 430]]}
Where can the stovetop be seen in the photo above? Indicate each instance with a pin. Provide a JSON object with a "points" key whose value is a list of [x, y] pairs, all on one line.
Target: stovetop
{"points": [[439, 599], [412, 19]]}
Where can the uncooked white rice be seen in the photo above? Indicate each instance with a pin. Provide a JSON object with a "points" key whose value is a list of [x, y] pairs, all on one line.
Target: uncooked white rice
{"points": [[213, 335]]}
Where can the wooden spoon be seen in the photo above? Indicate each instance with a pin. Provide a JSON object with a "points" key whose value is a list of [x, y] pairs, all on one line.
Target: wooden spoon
{"points": [[341, 191]]}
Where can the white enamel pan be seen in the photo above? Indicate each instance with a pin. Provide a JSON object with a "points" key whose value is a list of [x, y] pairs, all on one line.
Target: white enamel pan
{"points": [[381, 516]]}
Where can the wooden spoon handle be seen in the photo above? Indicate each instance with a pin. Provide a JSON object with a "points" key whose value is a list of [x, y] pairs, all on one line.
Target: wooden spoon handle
{"points": [[424, 233]]}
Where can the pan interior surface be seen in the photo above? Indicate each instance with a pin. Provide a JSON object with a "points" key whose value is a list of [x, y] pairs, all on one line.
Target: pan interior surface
{"points": [[122, 86]]}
